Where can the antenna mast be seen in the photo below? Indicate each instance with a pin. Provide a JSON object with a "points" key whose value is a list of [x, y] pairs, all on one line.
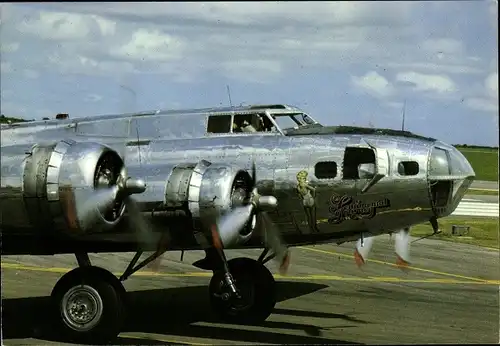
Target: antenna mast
{"points": [[229, 96], [404, 115]]}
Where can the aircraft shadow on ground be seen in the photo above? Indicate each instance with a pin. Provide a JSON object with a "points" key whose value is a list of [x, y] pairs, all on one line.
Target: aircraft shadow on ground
{"points": [[175, 311]]}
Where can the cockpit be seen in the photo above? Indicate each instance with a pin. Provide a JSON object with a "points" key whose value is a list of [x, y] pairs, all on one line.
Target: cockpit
{"points": [[262, 119]]}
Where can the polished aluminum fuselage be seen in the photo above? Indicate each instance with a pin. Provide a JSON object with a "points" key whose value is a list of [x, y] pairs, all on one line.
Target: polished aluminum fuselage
{"points": [[153, 142]]}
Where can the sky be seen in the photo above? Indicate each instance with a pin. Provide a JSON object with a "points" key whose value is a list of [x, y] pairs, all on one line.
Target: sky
{"points": [[344, 63]]}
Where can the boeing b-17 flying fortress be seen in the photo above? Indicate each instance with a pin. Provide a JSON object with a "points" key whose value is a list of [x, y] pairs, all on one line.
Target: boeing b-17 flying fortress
{"points": [[215, 179]]}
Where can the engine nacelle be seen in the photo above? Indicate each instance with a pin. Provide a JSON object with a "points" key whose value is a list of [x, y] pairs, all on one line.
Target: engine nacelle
{"points": [[203, 191], [210, 190], [58, 179]]}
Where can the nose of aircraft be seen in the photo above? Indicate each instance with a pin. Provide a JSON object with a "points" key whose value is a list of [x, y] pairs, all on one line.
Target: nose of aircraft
{"points": [[450, 175]]}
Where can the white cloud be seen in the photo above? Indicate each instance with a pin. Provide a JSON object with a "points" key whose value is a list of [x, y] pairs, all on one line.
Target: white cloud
{"points": [[8, 47], [106, 27], [252, 70], [93, 98], [443, 46], [5, 67], [151, 45], [491, 84], [31, 74], [56, 26], [251, 41], [481, 104], [374, 84], [427, 82], [434, 65], [255, 13], [66, 26], [396, 105], [221, 37], [487, 99]]}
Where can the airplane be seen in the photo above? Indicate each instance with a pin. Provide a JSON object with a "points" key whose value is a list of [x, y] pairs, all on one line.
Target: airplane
{"points": [[213, 179]]}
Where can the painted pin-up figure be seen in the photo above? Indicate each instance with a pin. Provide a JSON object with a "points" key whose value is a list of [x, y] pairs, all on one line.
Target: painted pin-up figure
{"points": [[308, 195]]}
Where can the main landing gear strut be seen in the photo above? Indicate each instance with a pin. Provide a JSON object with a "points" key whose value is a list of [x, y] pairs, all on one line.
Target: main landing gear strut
{"points": [[90, 302]]}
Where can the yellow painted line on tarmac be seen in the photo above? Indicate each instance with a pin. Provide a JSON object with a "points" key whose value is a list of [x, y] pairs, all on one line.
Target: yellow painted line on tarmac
{"points": [[334, 253], [65, 270], [277, 276]]}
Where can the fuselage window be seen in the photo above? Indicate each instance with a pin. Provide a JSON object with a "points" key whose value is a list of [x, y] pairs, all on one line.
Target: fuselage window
{"points": [[353, 157], [325, 170], [408, 168], [219, 124]]}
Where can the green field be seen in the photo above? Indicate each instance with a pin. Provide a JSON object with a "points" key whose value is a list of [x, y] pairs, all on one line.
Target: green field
{"points": [[483, 160], [483, 231]]}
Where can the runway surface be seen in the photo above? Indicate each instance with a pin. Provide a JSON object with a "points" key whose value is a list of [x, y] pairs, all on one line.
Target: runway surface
{"points": [[481, 184], [449, 295], [480, 198]]}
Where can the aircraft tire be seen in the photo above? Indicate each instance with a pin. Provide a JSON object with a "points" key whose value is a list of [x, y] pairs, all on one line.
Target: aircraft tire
{"points": [[96, 292], [257, 288]]}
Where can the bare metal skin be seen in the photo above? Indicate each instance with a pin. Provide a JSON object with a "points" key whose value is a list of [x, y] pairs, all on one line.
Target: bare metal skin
{"points": [[170, 179]]}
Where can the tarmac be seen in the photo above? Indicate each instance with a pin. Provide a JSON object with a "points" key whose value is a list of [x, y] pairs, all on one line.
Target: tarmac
{"points": [[449, 294], [487, 185]]}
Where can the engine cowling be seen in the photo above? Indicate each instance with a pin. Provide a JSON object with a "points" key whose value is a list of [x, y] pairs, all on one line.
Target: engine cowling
{"points": [[202, 191], [210, 190], [59, 178]]}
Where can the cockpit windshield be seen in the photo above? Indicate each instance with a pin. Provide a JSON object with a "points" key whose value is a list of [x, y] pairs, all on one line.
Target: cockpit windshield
{"points": [[292, 121]]}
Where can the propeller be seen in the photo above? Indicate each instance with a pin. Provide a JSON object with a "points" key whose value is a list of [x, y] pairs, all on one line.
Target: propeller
{"points": [[401, 246], [227, 226], [141, 226], [363, 247], [107, 194]]}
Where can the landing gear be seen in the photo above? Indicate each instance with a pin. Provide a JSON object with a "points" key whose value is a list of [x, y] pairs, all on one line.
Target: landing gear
{"points": [[89, 304], [255, 292]]}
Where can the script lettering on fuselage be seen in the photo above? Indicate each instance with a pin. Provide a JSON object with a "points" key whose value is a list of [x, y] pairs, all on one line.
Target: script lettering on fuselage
{"points": [[347, 208]]}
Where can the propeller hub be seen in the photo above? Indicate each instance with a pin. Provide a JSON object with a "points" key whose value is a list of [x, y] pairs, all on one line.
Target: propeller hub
{"points": [[267, 202], [134, 186]]}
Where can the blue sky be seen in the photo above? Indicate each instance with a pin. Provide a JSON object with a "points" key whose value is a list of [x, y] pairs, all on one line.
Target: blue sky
{"points": [[342, 62]]}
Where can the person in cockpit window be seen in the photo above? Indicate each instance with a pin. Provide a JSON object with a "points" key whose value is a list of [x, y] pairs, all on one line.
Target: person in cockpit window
{"points": [[247, 127]]}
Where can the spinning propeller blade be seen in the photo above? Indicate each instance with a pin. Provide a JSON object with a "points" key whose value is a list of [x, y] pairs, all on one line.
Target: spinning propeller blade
{"points": [[238, 217], [363, 247], [401, 246], [272, 239], [102, 200], [142, 227]]}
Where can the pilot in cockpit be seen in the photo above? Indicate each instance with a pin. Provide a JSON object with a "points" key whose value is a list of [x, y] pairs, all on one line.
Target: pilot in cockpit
{"points": [[248, 123]]}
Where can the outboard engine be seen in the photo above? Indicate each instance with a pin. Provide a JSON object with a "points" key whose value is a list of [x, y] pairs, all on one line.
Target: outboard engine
{"points": [[68, 188]]}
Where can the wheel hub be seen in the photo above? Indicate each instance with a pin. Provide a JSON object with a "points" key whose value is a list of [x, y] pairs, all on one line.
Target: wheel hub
{"points": [[243, 300], [81, 308]]}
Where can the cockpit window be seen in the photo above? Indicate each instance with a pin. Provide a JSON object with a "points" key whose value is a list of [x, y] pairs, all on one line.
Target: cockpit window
{"points": [[439, 164], [292, 121], [286, 121], [219, 124], [239, 123], [257, 122], [307, 119], [252, 123]]}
